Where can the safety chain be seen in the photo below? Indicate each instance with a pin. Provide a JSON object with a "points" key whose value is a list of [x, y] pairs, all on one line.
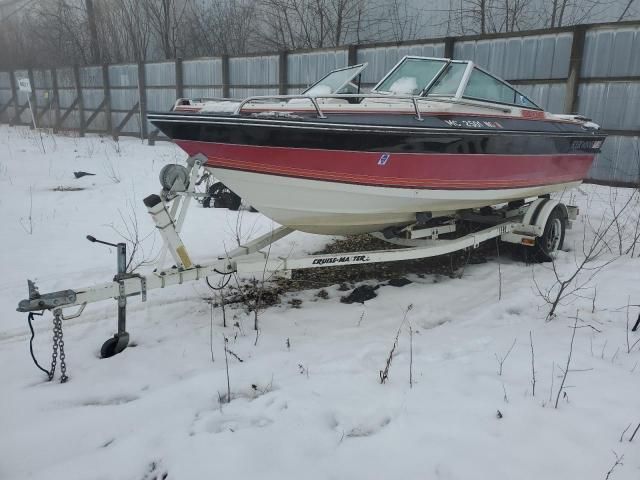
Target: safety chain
{"points": [[58, 346]]}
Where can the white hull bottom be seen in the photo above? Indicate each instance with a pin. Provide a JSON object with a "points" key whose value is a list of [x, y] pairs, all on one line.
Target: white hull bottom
{"points": [[331, 208]]}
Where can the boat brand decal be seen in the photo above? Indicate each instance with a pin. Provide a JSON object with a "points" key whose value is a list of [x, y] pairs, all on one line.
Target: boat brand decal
{"points": [[585, 145], [473, 124], [384, 158], [342, 259]]}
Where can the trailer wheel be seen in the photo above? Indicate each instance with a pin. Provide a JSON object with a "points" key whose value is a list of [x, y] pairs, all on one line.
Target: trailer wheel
{"points": [[551, 239]]}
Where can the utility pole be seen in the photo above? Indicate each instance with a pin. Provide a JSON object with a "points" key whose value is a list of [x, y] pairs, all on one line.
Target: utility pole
{"points": [[93, 33]]}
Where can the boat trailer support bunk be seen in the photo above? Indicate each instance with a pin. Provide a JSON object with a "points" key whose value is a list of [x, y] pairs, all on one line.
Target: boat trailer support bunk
{"points": [[521, 225]]}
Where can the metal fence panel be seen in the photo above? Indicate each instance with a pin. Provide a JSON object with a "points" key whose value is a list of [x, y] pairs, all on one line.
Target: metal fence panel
{"points": [[381, 59], [92, 97], [160, 99], [614, 105], [306, 68], [201, 72], [162, 74], [254, 70], [530, 57], [195, 92], [65, 78], [91, 77], [5, 96], [619, 161], [240, 92], [132, 126], [42, 79], [611, 52], [42, 87], [124, 98], [66, 97], [99, 123], [549, 96], [25, 116], [5, 80], [123, 75]]}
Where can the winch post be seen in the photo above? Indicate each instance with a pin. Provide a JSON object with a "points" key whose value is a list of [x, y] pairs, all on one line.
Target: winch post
{"points": [[167, 228], [180, 204]]}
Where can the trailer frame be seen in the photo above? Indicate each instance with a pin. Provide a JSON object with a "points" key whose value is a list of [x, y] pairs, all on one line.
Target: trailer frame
{"points": [[521, 223]]}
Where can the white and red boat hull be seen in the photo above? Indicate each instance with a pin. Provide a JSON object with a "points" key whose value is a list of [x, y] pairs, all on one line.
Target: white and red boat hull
{"points": [[345, 192], [337, 208]]}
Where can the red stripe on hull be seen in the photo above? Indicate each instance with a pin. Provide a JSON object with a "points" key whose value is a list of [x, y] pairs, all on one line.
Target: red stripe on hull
{"points": [[404, 170]]}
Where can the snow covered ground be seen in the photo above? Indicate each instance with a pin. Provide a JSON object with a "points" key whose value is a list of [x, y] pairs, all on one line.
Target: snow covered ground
{"points": [[307, 399]]}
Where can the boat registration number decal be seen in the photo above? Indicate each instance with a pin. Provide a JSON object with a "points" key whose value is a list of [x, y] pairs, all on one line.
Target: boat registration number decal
{"points": [[341, 259], [384, 158], [473, 124]]}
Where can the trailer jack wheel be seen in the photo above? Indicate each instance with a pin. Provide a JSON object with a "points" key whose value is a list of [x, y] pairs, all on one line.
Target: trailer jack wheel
{"points": [[114, 345]]}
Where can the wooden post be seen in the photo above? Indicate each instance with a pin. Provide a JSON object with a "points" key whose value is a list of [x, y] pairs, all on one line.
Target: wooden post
{"points": [[34, 99], [179, 79], [76, 77], [56, 99], [352, 55], [283, 73], [14, 91], [142, 95], [225, 76], [575, 65], [106, 89], [449, 43]]}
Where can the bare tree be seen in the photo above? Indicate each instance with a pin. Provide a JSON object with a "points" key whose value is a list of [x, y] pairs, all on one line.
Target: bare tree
{"points": [[291, 24], [219, 27], [166, 20]]}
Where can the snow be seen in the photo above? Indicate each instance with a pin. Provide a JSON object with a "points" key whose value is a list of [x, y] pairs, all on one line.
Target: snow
{"points": [[318, 409], [404, 86]]}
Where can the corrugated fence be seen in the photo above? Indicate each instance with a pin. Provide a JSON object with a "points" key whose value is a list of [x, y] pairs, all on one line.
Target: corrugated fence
{"points": [[593, 70]]}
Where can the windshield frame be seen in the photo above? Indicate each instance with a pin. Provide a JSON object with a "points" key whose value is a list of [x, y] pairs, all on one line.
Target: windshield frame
{"points": [[459, 95]]}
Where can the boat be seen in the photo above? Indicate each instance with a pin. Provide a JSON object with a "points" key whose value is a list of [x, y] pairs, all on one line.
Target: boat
{"points": [[435, 137]]}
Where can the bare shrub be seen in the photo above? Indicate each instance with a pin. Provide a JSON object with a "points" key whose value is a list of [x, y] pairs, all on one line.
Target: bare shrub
{"points": [[572, 284]]}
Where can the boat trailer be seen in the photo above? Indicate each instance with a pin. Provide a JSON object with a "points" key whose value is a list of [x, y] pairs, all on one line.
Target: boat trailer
{"points": [[523, 223]]}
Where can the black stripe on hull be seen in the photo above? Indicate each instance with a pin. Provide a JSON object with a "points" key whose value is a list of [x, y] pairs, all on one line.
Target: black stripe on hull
{"points": [[424, 140]]}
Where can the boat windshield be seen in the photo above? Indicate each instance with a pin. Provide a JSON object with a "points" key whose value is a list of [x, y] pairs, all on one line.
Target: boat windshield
{"points": [[411, 76], [443, 77], [338, 81]]}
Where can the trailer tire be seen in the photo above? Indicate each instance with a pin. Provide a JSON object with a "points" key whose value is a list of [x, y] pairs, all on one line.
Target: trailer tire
{"points": [[551, 239]]}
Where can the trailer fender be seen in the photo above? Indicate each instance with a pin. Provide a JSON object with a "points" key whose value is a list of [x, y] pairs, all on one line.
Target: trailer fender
{"points": [[539, 211]]}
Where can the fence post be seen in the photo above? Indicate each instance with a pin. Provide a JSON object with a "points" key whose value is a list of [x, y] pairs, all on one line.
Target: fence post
{"points": [[14, 91], [283, 73], [225, 76], [352, 55], [34, 99], [449, 43], [142, 95], [575, 65], [56, 99], [76, 76], [179, 79], [106, 89]]}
